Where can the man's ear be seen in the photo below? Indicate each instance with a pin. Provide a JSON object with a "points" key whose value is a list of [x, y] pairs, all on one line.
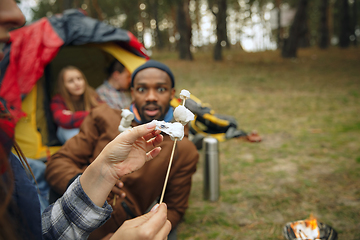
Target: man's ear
{"points": [[132, 94], [115, 74], [173, 91]]}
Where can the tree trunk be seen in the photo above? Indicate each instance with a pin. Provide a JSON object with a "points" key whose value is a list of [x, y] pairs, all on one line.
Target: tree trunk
{"points": [[324, 27], [67, 4], [290, 46], [304, 38], [88, 10], [76, 4], [184, 28], [158, 38], [221, 30], [278, 37], [344, 40], [354, 21], [98, 10]]}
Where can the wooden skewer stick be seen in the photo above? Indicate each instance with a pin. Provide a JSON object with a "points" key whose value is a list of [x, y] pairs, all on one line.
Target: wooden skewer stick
{"points": [[168, 171], [114, 201], [184, 101]]}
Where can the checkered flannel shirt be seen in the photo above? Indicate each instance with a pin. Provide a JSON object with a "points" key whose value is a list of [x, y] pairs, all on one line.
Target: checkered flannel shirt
{"points": [[114, 98], [74, 215], [68, 121]]}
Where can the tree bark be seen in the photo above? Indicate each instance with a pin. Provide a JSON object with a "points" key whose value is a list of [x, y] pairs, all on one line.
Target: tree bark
{"points": [[98, 10], [184, 28], [354, 7], [158, 38], [324, 27], [221, 30], [67, 4], [290, 46], [278, 34], [304, 38], [344, 39]]}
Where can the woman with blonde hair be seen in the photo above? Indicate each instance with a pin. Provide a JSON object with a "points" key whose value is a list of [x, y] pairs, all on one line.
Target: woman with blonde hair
{"points": [[73, 102]]}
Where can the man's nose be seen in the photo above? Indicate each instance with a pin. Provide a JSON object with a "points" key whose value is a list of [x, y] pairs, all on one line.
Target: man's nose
{"points": [[151, 96], [11, 15]]}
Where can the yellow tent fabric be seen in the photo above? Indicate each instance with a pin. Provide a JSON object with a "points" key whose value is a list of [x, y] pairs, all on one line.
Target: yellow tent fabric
{"points": [[30, 140], [26, 134], [128, 59]]}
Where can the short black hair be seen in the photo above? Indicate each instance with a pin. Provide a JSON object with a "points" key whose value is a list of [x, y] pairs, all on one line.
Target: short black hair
{"points": [[115, 66]]}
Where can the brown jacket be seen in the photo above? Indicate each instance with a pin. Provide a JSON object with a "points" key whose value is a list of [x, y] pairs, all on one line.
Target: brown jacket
{"points": [[142, 187]]}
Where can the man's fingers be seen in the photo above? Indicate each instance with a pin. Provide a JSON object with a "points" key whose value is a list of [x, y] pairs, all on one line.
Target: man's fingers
{"points": [[117, 191]]}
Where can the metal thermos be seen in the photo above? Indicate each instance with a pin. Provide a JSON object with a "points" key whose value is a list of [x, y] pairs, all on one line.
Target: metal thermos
{"points": [[211, 169]]}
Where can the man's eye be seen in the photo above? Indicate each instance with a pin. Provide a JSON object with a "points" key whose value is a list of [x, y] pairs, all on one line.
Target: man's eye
{"points": [[141, 89], [161, 89]]}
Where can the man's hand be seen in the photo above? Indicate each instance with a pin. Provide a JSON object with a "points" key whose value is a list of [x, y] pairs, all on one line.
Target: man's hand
{"points": [[116, 191]]}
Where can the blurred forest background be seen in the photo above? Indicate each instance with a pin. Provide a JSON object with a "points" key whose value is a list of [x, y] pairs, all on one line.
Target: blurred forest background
{"points": [[287, 68], [187, 26]]}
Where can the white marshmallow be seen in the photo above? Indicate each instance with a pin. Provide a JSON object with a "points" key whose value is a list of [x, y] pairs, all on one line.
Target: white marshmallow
{"points": [[126, 119], [184, 94], [183, 115], [174, 130]]}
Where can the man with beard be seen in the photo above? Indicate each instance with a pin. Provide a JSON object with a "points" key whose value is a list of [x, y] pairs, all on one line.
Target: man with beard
{"points": [[152, 88]]}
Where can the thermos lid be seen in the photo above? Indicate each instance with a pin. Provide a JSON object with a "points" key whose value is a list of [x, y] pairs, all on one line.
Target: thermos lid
{"points": [[210, 144]]}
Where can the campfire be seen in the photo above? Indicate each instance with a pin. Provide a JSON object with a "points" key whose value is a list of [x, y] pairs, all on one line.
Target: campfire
{"points": [[306, 229], [309, 229]]}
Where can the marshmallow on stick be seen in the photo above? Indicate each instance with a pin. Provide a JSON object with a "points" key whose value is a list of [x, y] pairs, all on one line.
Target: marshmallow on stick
{"points": [[126, 119], [181, 113], [176, 130]]}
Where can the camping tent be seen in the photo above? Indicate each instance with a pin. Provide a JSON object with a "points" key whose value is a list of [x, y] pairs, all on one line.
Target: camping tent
{"points": [[35, 54]]}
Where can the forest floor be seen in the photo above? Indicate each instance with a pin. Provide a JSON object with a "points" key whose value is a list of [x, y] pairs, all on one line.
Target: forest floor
{"points": [[307, 111]]}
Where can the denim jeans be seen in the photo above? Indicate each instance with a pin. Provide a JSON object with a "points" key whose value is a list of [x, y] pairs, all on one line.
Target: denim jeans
{"points": [[38, 167], [64, 134]]}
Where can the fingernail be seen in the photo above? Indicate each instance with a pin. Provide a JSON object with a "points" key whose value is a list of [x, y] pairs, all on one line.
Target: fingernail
{"points": [[154, 207], [151, 124]]}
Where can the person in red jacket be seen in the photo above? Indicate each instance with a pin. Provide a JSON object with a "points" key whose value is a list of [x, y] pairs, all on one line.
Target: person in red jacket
{"points": [[73, 102], [84, 208]]}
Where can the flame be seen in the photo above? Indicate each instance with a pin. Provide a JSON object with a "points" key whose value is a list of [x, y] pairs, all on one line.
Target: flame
{"points": [[306, 229], [311, 222]]}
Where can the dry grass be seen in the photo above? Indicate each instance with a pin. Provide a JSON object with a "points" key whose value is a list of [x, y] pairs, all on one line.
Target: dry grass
{"points": [[308, 112]]}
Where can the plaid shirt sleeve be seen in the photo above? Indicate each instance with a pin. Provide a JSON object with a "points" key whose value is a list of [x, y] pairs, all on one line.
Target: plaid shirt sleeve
{"points": [[68, 121], [115, 99], [74, 215]]}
